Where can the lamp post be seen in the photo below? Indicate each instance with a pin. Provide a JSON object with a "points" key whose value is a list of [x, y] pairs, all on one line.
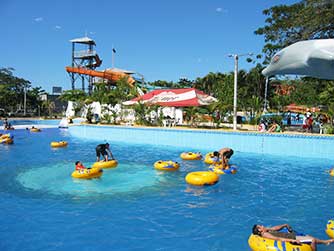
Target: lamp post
{"points": [[235, 96], [25, 101], [265, 105]]}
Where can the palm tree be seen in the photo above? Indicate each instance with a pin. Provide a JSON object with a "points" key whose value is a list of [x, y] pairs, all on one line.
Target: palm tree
{"points": [[50, 106]]}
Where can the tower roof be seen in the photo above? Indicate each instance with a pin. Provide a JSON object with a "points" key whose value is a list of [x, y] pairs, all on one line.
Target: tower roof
{"points": [[83, 40]]}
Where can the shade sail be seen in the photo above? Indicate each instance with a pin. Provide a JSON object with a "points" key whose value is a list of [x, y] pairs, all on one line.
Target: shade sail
{"points": [[313, 58], [174, 97]]}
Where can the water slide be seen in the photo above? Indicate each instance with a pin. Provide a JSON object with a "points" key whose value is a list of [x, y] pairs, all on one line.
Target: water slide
{"points": [[106, 74]]}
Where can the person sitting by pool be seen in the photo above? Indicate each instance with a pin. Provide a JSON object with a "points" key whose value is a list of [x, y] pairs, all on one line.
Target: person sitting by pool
{"points": [[290, 236], [225, 154], [79, 166], [104, 150], [274, 127], [262, 126]]}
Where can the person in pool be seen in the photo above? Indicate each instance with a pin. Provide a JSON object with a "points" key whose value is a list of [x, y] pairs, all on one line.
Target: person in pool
{"points": [[225, 155], [290, 236], [215, 158], [104, 150], [79, 166]]}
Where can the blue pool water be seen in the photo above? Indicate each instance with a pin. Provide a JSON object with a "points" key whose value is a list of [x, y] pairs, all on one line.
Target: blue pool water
{"points": [[14, 122], [134, 207]]}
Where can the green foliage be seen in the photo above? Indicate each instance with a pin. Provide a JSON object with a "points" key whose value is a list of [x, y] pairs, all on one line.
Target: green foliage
{"points": [[12, 91], [162, 83], [73, 95], [142, 113], [329, 129]]}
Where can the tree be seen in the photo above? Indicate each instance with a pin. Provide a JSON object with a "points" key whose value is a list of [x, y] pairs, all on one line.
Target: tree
{"points": [[287, 24], [49, 106], [327, 97], [12, 91], [73, 95]]}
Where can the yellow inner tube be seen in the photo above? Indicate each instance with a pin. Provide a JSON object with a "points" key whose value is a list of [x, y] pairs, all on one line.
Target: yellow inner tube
{"points": [[7, 141], [331, 172], [87, 173], [105, 164], [257, 243], [35, 130], [218, 169], [4, 136], [191, 156], [330, 229], [58, 144], [202, 178], [166, 165], [209, 158]]}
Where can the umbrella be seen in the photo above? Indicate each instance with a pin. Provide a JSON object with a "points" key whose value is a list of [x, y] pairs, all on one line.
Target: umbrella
{"points": [[313, 58], [174, 97]]}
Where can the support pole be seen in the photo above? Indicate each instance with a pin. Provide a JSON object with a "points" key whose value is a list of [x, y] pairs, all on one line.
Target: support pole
{"points": [[235, 96], [25, 101], [265, 105]]}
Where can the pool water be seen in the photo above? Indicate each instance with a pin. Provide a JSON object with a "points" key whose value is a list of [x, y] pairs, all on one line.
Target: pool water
{"points": [[14, 122], [134, 207]]}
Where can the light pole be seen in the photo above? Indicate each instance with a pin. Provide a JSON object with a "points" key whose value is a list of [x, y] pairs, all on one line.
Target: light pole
{"points": [[25, 101], [235, 96], [265, 105]]}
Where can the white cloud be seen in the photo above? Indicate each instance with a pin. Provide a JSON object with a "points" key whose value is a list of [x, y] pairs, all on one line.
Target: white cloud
{"points": [[221, 10], [38, 19], [92, 33]]}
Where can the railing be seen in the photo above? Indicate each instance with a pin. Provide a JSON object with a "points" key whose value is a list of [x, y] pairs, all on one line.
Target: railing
{"points": [[84, 53]]}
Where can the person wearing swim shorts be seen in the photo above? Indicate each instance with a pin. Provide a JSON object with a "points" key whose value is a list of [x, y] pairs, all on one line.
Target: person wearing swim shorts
{"points": [[290, 236], [104, 150], [225, 154]]}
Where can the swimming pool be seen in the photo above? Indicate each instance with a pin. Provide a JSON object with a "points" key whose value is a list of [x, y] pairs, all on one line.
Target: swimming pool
{"points": [[134, 207], [32, 122]]}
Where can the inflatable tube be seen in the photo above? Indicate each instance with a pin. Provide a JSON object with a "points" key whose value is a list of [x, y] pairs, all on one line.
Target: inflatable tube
{"points": [[7, 141], [191, 156], [4, 136], [209, 158], [59, 144], [331, 172], [330, 229], [105, 164], [87, 173], [166, 165], [219, 170], [202, 178], [258, 243], [35, 130]]}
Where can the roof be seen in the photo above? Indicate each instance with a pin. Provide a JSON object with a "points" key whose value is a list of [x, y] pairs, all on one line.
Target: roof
{"points": [[83, 40], [174, 97]]}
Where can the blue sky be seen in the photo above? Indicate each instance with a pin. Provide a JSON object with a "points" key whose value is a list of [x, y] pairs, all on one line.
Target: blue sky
{"points": [[163, 40]]}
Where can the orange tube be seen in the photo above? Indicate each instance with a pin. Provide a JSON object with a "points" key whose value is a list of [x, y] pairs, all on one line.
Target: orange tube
{"points": [[107, 74]]}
